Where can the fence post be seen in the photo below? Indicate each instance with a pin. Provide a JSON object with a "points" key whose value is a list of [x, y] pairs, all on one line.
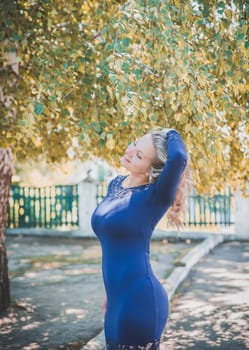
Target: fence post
{"points": [[242, 213], [87, 191]]}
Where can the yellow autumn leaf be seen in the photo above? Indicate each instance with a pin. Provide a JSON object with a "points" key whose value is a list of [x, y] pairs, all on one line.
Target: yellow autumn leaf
{"points": [[84, 61], [177, 116]]}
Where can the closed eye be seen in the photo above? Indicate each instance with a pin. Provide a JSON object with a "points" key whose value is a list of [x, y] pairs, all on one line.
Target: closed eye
{"points": [[139, 155]]}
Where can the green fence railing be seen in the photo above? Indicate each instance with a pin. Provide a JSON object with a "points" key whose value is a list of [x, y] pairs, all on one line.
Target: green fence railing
{"points": [[46, 207], [210, 211], [101, 191], [57, 207], [202, 211]]}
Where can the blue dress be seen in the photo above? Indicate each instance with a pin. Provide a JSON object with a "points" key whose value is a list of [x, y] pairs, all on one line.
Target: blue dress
{"points": [[137, 304]]}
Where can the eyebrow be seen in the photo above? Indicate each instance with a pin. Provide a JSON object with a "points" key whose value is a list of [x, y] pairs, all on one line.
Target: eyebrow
{"points": [[139, 150], [142, 151]]}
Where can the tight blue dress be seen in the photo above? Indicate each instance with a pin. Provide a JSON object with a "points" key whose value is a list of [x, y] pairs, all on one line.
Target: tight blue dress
{"points": [[137, 304]]}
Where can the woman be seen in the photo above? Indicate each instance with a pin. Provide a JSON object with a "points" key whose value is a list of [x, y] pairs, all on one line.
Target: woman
{"points": [[137, 304]]}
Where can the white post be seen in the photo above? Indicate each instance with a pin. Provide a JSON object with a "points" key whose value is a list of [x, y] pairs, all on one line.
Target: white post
{"points": [[87, 191], [242, 214]]}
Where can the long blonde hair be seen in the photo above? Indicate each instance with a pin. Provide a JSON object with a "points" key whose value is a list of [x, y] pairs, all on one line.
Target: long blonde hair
{"points": [[176, 212]]}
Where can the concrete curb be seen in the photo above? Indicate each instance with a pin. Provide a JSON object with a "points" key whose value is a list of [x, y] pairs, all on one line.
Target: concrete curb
{"points": [[96, 343], [173, 281], [46, 232], [157, 234]]}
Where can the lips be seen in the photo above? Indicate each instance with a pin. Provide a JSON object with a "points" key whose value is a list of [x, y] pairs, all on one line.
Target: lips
{"points": [[125, 159]]}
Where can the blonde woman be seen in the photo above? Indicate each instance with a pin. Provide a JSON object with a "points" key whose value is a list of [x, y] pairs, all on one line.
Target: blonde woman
{"points": [[137, 304]]}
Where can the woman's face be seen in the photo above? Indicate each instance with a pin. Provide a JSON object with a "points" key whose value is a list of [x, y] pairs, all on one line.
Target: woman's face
{"points": [[139, 156]]}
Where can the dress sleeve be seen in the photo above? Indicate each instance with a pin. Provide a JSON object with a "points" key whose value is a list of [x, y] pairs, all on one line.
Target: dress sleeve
{"points": [[167, 183]]}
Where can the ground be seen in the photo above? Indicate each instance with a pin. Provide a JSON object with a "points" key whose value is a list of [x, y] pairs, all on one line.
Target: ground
{"points": [[211, 309]]}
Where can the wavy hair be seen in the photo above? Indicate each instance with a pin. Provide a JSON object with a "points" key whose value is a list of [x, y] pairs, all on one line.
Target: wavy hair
{"points": [[176, 212]]}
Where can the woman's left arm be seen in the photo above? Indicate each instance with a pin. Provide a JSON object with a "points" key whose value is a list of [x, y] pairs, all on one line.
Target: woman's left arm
{"points": [[168, 181]]}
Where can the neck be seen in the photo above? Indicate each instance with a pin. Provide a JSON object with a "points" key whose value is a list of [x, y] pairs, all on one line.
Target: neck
{"points": [[135, 180]]}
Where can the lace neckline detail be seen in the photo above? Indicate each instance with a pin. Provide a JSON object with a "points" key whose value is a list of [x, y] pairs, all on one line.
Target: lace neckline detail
{"points": [[133, 188], [117, 190]]}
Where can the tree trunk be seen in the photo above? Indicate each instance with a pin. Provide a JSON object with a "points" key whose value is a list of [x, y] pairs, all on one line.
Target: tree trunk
{"points": [[6, 166]]}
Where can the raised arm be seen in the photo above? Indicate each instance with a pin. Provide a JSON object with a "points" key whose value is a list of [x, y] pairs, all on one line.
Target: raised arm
{"points": [[167, 183]]}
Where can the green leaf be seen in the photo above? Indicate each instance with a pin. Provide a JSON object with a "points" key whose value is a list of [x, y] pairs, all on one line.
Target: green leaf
{"points": [[39, 108], [210, 114], [96, 127], [221, 4], [212, 149], [23, 122], [149, 44], [113, 77], [4, 121], [126, 67], [137, 73], [110, 47], [229, 52], [198, 117], [82, 137], [154, 118], [126, 42], [240, 36]]}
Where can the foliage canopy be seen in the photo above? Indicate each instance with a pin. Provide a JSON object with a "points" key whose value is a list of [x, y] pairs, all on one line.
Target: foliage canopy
{"points": [[90, 76]]}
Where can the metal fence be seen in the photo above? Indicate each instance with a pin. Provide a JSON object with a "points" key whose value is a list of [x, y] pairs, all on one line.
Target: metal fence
{"points": [[57, 207], [101, 191], [46, 207], [202, 211], [210, 211]]}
